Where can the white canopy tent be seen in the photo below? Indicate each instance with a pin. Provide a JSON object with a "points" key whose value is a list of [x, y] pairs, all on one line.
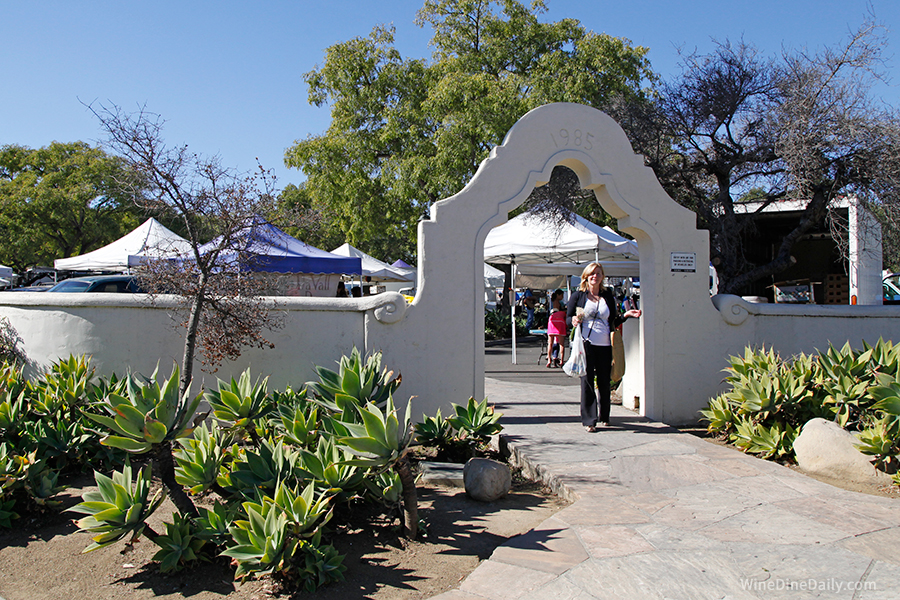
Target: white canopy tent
{"points": [[493, 277], [560, 249], [151, 240], [529, 239], [556, 275], [611, 268], [374, 268]]}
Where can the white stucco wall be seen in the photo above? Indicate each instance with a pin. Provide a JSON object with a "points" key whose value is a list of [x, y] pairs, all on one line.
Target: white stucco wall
{"points": [[124, 331], [675, 352]]}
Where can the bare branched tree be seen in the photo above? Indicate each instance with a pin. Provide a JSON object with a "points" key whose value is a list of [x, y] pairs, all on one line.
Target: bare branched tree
{"points": [[222, 310], [801, 127], [562, 198]]}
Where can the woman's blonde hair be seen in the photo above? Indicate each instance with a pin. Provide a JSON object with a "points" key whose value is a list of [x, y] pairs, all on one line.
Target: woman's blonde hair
{"points": [[590, 268]]}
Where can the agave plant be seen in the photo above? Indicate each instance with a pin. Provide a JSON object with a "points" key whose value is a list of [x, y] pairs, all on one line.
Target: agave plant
{"points": [[147, 414], [298, 421], [718, 414], [12, 412], [12, 468], [330, 470], [767, 441], [880, 440], [476, 421], [355, 384], [148, 418], [13, 402], [305, 512], [320, 564], [887, 396], [382, 442], [434, 431], [260, 469], [262, 544], [386, 487], [40, 481], [200, 458], [179, 545], [119, 508], [66, 385], [213, 523], [59, 440], [241, 403], [7, 514], [381, 439]]}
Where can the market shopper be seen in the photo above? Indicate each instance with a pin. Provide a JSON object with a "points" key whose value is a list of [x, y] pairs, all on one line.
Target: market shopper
{"points": [[556, 331], [593, 308]]}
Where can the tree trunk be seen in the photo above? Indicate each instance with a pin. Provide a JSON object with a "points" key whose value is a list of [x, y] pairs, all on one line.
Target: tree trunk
{"points": [[410, 499], [190, 339], [164, 465]]}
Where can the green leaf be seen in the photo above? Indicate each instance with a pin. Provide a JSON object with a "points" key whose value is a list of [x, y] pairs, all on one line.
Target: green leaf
{"points": [[155, 431], [889, 404], [127, 444], [365, 445]]}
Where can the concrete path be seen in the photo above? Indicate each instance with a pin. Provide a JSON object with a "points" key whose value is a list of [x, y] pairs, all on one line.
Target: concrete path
{"points": [[659, 514]]}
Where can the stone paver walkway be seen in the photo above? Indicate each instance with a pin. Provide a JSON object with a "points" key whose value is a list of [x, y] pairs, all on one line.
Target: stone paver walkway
{"points": [[659, 514]]}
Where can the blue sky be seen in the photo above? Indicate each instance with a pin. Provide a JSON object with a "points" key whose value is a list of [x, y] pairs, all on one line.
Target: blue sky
{"points": [[228, 76]]}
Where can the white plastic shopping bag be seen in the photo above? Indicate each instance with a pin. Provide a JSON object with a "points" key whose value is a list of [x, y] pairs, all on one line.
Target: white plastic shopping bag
{"points": [[575, 366]]}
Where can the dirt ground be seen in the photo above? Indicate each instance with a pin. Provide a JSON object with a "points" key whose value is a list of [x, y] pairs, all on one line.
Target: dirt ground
{"points": [[40, 559]]}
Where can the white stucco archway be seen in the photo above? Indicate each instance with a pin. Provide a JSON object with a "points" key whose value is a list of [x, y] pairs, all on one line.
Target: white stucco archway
{"points": [[596, 149]]}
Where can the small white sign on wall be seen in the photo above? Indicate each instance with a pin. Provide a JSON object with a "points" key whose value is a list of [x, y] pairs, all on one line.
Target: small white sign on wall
{"points": [[684, 262]]}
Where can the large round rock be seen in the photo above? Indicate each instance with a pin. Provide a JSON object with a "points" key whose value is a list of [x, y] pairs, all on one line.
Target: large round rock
{"points": [[486, 480], [824, 448]]}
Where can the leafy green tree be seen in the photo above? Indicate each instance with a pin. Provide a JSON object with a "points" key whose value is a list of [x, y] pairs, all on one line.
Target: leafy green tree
{"points": [[61, 200], [408, 132], [296, 215]]}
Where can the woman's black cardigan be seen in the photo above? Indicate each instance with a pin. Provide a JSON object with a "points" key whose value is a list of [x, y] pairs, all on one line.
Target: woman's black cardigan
{"points": [[579, 298]]}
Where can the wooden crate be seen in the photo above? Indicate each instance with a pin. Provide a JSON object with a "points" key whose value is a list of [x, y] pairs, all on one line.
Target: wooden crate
{"points": [[794, 292], [837, 289]]}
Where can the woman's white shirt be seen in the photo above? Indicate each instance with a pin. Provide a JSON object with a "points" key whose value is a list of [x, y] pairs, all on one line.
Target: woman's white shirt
{"points": [[595, 326]]}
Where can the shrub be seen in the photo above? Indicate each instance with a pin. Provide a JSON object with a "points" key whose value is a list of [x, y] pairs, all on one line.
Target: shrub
{"points": [[496, 324], [770, 399], [465, 432], [279, 462]]}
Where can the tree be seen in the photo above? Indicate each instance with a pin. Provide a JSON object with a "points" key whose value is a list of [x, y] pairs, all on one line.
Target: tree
{"points": [[297, 216], [801, 127], [222, 308], [60, 201], [408, 132]]}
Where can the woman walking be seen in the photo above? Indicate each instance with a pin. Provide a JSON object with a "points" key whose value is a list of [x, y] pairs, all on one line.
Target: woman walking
{"points": [[593, 308]]}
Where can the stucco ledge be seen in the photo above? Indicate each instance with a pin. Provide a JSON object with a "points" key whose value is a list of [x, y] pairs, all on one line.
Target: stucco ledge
{"points": [[735, 310], [389, 307]]}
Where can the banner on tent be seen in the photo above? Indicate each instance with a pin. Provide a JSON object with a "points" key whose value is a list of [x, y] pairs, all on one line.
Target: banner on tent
{"points": [[299, 284], [540, 282]]}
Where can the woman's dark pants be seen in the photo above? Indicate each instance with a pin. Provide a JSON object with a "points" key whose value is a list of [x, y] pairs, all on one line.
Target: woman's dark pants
{"points": [[598, 360]]}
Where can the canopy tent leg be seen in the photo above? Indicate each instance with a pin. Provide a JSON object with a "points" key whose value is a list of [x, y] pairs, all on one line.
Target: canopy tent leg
{"points": [[512, 309]]}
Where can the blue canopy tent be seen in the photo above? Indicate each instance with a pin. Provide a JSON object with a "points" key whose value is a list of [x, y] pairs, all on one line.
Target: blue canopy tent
{"points": [[271, 250]]}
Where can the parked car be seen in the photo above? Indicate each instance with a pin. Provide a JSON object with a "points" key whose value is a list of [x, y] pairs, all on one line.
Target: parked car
{"points": [[30, 288], [118, 284], [890, 286]]}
